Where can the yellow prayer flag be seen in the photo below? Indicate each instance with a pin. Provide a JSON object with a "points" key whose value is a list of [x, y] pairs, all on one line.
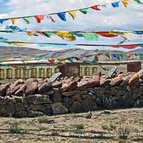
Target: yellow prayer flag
{"points": [[13, 20], [125, 2], [65, 35], [72, 14], [29, 34]]}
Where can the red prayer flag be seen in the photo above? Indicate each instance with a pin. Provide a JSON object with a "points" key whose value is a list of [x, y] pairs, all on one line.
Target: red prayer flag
{"points": [[107, 34], [39, 18], [96, 7], [125, 46]]}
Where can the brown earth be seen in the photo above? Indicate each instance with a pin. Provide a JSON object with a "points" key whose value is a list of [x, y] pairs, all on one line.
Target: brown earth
{"points": [[108, 126]]}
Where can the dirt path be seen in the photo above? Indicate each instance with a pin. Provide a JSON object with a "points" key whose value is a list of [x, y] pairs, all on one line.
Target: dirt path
{"points": [[116, 126]]}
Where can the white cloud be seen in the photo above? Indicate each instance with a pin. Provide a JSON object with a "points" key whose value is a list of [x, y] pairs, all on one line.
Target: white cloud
{"points": [[109, 18]]}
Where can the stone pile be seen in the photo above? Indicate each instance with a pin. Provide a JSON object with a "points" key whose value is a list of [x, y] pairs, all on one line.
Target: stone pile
{"points": [[36, 97]]}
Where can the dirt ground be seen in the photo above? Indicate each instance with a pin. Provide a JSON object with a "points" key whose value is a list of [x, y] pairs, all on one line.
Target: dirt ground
{"points": [[108, 126]]}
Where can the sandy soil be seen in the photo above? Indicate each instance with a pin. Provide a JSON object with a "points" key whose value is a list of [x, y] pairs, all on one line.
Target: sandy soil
{"points": [[109, 126]]}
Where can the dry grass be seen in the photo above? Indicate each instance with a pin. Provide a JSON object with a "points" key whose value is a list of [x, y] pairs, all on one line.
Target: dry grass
{"points": [[118, 126]]}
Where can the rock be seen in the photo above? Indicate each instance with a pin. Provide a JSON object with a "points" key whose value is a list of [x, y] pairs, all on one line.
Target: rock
{"points": [[8, 109], [70, 93], [59, 108], [125, 81], [67, 101], [82, 85], [69, 86], [46, 108], [44, 88], [56, 97], [21, 114], [12, 89], [29, 80], [3, 89], [138, 103], [134, 79], [20, 91], [57, 84], [72, 86], [20, 107], [19, 81], [77, 79], [38, 99], [76, 107], [2, 100], [104, 82], [136, 93], [9, 99], [35, 113], [31, 88], [77, 98], [116, 81], [88, 104], [93, 82]]}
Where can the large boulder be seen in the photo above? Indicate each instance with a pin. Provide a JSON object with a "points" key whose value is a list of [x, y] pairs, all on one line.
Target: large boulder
{"points": [[88, 104], [56, 97], [38, 99], [76, 107], [59, 108]]}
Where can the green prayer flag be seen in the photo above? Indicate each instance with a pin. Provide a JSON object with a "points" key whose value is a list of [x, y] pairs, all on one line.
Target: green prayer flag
{"points": [[26, 19], [84, 10], [91, 36], [138, 1], [47, 34]]}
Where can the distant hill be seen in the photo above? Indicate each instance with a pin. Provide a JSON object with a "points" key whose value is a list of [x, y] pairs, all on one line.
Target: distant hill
{"points": [[16, 52], [137, 51], [26, 53]]}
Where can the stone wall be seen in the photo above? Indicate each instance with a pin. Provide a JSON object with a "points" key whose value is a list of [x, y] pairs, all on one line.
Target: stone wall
{"points": [[36, 97]]}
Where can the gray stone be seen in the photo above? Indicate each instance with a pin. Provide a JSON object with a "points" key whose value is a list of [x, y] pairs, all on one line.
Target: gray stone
{"points": [[35, 113], [44, 88], [89, 104], [70, 93], [59, 108], [76, 107], [56, 97], [136, 93], [2, 100], [21, 114], [77, 98], [20, 107], [67, 101], [41, 108], [8, 109], [38, 99]]}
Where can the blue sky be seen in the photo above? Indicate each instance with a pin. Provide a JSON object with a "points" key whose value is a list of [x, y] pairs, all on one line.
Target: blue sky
{"points": [[130, 18]]}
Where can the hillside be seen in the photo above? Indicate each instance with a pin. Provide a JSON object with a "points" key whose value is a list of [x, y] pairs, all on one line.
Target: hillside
{"points": [[23, 53]]}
